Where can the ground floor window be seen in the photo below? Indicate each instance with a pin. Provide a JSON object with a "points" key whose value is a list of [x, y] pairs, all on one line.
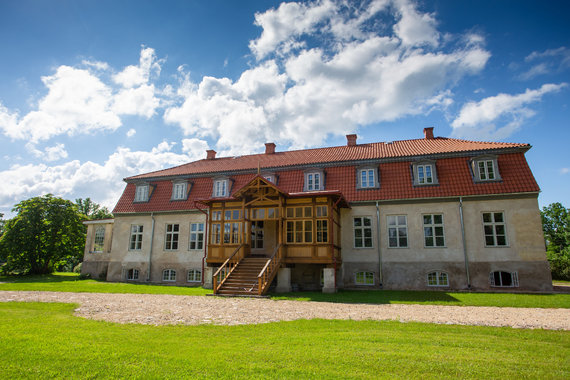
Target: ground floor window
{"points": [[194, 275], [437, 278], [504, 279], [169, 275], [133, 274], [364, 278]]}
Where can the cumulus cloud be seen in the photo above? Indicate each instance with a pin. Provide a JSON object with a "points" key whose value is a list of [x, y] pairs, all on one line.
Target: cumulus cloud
{"points": [[133, 76], [131, 132], [479, 118], [195, 149], [50, 153], [367, 71]]}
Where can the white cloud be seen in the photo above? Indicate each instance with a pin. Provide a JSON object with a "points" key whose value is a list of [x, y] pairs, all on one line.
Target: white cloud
{"points": [[195, 149], [540, 69], [73, 179], [133, 76], [415, 28], [50, 153], [136, 101], [131, 132], [478, 118], [97, 65], [564, 170]]}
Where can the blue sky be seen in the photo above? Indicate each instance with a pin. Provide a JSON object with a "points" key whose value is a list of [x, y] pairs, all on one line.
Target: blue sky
{"points": [[95, 91]]}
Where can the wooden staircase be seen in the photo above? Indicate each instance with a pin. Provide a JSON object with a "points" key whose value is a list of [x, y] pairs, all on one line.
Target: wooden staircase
{"points": [[243, 280]]}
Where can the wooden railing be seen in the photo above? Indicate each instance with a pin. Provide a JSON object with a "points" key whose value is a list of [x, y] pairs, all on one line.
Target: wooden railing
{"points": [[269, 270], [227, 267]]}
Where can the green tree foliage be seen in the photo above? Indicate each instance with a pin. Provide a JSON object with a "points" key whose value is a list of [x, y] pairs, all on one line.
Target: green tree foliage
{"points": [[92, 210], [556, 227], [46, 233], [2, 222]]}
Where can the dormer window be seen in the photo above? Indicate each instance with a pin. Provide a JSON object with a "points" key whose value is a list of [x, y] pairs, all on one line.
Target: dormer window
{"points": [[314, 181], [367, 178], [270, 178], [424, 173], [141, 193], [180, 190], [221, 188], [485, 169]]}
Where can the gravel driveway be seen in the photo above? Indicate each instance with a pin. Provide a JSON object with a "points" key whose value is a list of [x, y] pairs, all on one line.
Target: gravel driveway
{"points": [[155, 309]]}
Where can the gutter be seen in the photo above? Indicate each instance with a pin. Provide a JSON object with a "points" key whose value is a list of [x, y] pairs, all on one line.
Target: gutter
{"points": [[464, 245], [151, 243], [380, 276]]}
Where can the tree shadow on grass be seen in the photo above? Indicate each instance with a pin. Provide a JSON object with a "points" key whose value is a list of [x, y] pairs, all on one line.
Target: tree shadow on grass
{"points": [[373, 297], [53, 277]]}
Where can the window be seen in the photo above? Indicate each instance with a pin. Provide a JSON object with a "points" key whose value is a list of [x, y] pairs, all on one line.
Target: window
{"points": [[99, 240], [171, 240], [269, 178], [362, 226], [220, 188], [194, 275], [366, 179], [196, 236], [179, 191], [433, 230], [257, 232], [314, 181], [397, 231], [504, 279], [495, 231], [169, 275], [485, 169], [364, 278], [300, 231], [424, 173], [322, 231], [216, 228], [136, 237], [437, 278], [132, 274], [141, 193], [232, 227]]}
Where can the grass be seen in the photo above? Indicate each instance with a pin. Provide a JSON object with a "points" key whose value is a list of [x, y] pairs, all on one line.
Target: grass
{"points": [[41, 340], [70, 282]]}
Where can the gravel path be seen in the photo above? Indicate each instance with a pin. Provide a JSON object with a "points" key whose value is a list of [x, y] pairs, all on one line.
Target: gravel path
{"points": [[154, 309]]}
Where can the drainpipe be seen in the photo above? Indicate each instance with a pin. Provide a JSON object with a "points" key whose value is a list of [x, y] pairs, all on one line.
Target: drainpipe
{"points": [[464, 245], [205, 240], [150, 251], [380, 277]]}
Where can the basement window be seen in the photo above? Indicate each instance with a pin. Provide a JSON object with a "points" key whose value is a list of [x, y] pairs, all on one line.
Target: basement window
{"points": [[364, 278], [132, 274], [437, 278], [169, 275], [194, 275], [501, 279]]}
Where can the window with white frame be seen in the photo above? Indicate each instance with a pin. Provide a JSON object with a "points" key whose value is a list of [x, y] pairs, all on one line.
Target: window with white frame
{"points": [[179, 190], [194, 275], [269, 178], [136, 237], [132, 274], [485, 169], [169, 275], [314, 181], [424, 173], [504, 279], [495, 230], [437, 278], [171, 238], [433, 230], [196, 236], [367, 178], [397, 231], [220, 188], [141, 193], [99, 239], [364, 278], [362, 227]]}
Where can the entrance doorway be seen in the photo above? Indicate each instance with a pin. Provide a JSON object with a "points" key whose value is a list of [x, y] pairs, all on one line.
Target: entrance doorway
{"points": [[257, 237]]}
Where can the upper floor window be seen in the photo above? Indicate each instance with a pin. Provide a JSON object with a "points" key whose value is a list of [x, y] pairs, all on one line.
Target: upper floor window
{"points": [[367, 179], [433, 230], [362, 227], [424, 173], [196, 236], [179, 190], [495, 231], [99, 240], [171, 240], [269, 178], [397, 231], [141, 193], [136, 237], [220, 188], [485, 169], [314, 181]]}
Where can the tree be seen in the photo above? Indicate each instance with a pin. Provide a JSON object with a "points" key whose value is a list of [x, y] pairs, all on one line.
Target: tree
{"points": [[47, 232], [556, 227], [92, 210], [2, 222]]}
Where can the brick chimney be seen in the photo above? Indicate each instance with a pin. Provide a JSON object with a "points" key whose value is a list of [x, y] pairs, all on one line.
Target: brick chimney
{"points": [[210, 154], [428, 133], [351, 140], [269, 148]]}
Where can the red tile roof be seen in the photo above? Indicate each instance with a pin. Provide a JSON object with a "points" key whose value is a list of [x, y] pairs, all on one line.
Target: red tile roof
{"points": [[396, 149]]}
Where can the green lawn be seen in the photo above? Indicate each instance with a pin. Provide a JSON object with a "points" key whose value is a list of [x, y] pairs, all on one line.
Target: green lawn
{"points": [[70, 282], [41, 340]]}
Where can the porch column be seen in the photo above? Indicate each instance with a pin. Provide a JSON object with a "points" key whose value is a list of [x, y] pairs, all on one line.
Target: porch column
{"points": [[208, 273], [328, 277], [283, 280]]}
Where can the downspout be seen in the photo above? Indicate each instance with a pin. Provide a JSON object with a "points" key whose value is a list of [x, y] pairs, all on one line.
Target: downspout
{"points": [[205, 240], [464, 245], [150, 251], [380, 276]]}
